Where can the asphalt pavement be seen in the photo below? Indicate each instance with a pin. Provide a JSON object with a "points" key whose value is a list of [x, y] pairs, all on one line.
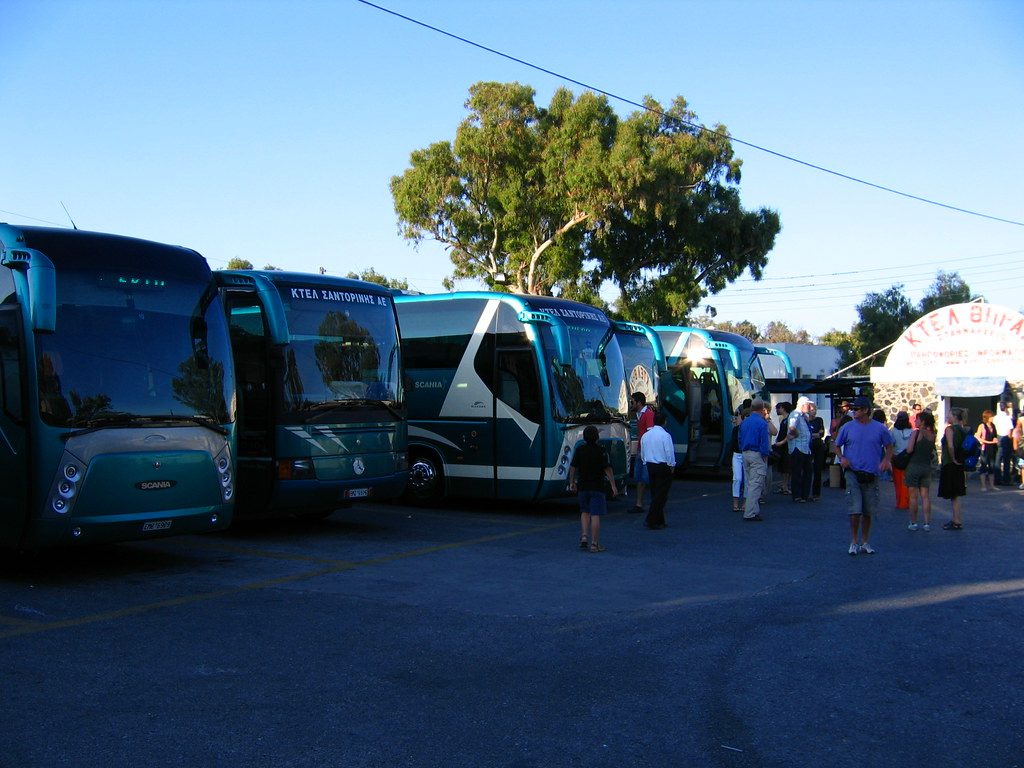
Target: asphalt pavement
{"points": [[481, 635]]}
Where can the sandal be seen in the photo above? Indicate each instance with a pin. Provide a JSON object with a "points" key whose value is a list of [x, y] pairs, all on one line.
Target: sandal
{"points": [[596, 548], [951, 526], [583, 542]]}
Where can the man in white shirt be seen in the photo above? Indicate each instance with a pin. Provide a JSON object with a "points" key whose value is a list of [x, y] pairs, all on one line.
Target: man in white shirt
{"points": [[1003, 422], [658, 453]]}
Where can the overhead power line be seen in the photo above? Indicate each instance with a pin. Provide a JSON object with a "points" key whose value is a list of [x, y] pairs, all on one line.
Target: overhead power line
{"points": [[697, 126]]}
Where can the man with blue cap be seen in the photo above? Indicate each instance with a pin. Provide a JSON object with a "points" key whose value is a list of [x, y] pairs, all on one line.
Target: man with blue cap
{"points": [[864, 449]]}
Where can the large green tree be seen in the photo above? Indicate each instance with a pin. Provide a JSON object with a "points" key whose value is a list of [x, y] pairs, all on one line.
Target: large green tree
{"points": [[681, 232], [564, 198], [948, 288], [844, 341], [883, 317]]}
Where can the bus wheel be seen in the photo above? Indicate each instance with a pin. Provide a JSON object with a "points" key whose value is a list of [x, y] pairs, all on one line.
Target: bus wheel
{"points": [[425, 479]]}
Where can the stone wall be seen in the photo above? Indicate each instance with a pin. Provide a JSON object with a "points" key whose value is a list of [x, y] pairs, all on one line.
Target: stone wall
{"points": [[893, 396]]}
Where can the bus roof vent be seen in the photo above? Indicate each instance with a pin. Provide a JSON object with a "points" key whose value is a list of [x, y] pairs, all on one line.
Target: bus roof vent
{"points": [[16, 259], [535, 316], [242, 281]]}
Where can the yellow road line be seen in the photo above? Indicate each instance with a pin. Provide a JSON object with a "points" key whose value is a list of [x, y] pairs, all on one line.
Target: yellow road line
{"points": [[339, 566]]}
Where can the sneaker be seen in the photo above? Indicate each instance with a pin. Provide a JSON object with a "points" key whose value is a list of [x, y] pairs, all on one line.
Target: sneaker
{"points": [[1020, 487], [866, 549], [926, 527], [853, 549], [912, 527]]}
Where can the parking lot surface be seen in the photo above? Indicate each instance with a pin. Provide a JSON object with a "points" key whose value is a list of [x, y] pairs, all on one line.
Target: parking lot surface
{"points": [[481, 635]]}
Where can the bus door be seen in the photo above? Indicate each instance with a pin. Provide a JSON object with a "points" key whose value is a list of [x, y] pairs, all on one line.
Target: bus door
{"points": [[519, 439], [14, 464], [250, 349], [705, 397]]}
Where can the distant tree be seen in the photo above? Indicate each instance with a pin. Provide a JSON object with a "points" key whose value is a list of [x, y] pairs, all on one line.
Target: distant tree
{"points": [[744, 328], [948, 288], [844, 342], [239, 263], [271, 268], [883, 317], [778, 332], [371, 276]]}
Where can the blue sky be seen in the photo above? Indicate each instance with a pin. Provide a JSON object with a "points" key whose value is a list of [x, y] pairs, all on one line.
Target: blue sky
{"points": [[270, 130]]}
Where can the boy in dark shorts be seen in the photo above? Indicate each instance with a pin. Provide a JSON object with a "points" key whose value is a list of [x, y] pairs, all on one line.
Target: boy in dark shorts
{"points": [[590, 464]]}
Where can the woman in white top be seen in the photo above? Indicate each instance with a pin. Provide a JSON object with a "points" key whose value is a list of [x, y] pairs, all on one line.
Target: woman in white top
{"points": [[901, 432]]}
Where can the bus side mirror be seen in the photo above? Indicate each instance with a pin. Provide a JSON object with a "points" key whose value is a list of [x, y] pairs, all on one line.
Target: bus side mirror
{"points": [[42, 285]]}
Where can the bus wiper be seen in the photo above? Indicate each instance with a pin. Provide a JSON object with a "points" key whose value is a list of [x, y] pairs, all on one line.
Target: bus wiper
{"points": [[355, 402], [106, 420]]}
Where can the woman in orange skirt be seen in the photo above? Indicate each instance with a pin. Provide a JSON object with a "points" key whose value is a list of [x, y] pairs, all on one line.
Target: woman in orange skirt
{"points": [[901, 433]]}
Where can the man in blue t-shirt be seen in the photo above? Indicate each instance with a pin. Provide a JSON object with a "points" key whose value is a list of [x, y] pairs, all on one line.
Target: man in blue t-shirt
{"points": [[864, 449]]}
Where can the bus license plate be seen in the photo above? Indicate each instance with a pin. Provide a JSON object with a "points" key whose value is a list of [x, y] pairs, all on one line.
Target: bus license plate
{"points": [[357, 493]]}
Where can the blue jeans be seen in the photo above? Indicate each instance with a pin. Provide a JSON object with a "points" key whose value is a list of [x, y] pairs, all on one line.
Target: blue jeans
{"points": [[1004, 461]]}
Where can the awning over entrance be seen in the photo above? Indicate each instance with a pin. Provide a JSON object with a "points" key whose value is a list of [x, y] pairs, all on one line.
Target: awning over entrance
{"points": [[969, 386]]}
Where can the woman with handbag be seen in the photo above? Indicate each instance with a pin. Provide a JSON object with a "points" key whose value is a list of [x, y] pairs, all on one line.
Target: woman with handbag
{"points": [[918, 474], [986, 435], [901, 433]]}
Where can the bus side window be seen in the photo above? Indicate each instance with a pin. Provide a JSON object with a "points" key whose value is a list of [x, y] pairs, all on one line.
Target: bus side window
{"points": [[518, 385], [10, 364], [248, 335]]}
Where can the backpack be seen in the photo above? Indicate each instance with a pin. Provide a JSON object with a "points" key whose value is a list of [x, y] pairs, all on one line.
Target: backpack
{"points": [[970, 450]]}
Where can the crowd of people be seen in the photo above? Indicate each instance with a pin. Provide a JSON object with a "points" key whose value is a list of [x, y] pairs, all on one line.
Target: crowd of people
{"points": [[910, 453], [795, 450]]}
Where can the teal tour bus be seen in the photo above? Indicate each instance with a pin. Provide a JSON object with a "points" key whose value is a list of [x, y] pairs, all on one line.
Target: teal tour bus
{"points": [[117, 388], [712, 372], [321, 404], [500, 388]]}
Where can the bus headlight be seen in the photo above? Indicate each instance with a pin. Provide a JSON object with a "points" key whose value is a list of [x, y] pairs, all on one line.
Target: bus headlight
{"points": [[64, 488], [223, 464]]}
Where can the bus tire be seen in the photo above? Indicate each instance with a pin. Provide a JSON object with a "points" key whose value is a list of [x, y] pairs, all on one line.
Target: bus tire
{"points": [[425, 479]]}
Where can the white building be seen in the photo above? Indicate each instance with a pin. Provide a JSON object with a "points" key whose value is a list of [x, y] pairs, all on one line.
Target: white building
{"points": [[964, 355]]}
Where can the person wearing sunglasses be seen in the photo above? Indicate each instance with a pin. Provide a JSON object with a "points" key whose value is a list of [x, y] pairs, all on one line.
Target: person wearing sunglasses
{"points": [[864, 449]]}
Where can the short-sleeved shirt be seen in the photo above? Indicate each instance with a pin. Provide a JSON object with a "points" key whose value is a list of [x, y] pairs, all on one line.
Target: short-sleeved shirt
{"points": [[590, 461], [754, 435], [863, 444], [802, 440], [900, 438]]}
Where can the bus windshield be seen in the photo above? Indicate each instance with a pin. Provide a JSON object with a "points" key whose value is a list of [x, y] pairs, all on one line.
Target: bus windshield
{"points": [[641, 367], [342, 351], [593, 387], [134, 346], [749, 387]]}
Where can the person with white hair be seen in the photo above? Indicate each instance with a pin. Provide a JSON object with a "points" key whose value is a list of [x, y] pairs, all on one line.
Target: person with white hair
{"points": [[800, 452]]}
